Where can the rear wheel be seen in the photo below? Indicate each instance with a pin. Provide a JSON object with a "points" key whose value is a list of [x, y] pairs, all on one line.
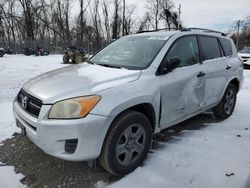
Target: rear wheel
{"points": [[227, 104], [127, 143]]}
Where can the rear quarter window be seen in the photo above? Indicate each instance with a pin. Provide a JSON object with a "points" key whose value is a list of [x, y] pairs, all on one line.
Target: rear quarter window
{"points": [[227, 46], [209, 47]]}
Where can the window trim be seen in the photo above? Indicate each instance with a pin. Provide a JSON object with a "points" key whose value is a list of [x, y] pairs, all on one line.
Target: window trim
{"points": [[181, 37], [222, 50], [201, 51], [225, 55]]}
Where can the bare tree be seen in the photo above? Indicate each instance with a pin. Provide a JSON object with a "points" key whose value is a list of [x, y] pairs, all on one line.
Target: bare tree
{"points": [[168, 14], [123, 17], [154, 11], [66, 14], [96, 22], [242, 38], [166, 11], [82, 20], [128, 19], [2, 27], [48, 23], [116, 24], [29, 9], [105, 11], [144, 23], [8, 24]]}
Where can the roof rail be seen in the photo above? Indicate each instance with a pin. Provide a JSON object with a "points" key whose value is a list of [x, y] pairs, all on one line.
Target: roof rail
{"points": [[202, 29], [162, 29]]}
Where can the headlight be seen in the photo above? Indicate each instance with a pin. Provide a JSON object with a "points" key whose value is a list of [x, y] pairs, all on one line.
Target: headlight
{"points": [[73, 108]]}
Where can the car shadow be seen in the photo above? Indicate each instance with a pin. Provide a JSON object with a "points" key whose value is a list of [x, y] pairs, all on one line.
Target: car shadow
{"points": [[195, 123]]}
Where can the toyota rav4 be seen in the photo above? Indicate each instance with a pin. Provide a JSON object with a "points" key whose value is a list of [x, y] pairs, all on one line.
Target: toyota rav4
{"points": [[109, 107]]}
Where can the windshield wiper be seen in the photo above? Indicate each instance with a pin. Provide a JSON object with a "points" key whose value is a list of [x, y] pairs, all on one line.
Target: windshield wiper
{"points": [[109, 65], [90, 62], [104, 65]]}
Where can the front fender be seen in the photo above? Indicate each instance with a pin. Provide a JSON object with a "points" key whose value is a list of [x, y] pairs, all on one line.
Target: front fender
{"points": [[118, 99]]}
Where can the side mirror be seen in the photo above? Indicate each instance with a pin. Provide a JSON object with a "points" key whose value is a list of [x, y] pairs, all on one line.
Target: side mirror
{"points": [[169, 65]]}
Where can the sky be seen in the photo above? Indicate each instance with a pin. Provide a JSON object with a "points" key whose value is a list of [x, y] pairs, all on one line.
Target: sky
{"points": [[212, 14]]}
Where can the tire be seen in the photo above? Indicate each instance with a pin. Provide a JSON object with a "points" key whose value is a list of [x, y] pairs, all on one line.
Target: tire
{"points": [[65, 59], [78, 59], [133, 147], [227, 104]]}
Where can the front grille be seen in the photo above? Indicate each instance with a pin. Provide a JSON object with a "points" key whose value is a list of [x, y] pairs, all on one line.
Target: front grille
{"points": [[245, 58], [70, 145], [29, 104]]}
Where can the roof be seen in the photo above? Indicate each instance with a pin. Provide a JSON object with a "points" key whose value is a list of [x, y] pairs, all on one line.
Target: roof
{"points": [[166, 33], [157, 33]]}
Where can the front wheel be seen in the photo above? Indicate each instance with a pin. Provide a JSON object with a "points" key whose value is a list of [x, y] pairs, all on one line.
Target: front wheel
{"points": [[227, 104], [127, 143]]}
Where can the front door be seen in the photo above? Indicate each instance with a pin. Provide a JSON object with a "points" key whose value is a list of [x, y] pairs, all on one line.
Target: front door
{"points": [[182, 90]]}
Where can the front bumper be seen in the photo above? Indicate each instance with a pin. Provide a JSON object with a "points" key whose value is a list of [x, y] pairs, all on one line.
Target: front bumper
{"points": [[52, 135], [247, 62]]}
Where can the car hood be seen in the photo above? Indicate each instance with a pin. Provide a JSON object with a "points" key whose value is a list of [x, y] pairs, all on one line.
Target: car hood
{"points": [[244, 54], [77, 80]]}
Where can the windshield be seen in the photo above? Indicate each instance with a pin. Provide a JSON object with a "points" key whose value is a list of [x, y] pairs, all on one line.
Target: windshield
{"points": [[245, 50], [135, 52]]}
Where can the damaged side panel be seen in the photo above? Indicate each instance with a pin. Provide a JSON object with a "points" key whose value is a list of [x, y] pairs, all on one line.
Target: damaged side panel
{"points": [[182, 93]]}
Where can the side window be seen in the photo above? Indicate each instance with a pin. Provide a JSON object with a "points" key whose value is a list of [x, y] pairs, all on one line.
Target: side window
{"points": [[186, 49], [209, 48], [227, 46]]}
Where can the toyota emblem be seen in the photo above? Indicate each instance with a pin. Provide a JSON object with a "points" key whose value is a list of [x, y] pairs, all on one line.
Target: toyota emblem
{"points": [[24, 102]]}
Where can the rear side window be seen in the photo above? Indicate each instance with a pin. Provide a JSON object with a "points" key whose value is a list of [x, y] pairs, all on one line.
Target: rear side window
{"points": [[209, 48], [227, 46]]}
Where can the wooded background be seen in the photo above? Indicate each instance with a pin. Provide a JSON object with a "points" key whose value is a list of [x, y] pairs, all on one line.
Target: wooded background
{"points": [[54, 25]]}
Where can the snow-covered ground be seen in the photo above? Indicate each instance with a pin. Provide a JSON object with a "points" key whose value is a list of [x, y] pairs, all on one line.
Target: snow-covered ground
{"points": [[217, 156], [194, 159], [14, 71]]}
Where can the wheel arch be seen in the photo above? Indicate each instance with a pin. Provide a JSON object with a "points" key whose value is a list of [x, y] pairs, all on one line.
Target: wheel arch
{"points": [[235, 82], [145, 108], [148, 110]]}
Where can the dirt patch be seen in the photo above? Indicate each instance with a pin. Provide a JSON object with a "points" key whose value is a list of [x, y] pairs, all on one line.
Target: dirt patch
{"points": [[42, 170]]}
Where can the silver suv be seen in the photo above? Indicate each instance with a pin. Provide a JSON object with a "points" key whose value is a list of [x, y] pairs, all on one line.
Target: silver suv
{"points": [[109, 107]]}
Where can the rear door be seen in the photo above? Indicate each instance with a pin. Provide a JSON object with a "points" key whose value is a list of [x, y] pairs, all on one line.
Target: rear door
{"points": [[182, 89], [228, 53], [215, 64]]}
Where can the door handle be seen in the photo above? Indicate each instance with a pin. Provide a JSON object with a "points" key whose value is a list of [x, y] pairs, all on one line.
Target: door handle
{"points": [[228, 67], [201, 74]]}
